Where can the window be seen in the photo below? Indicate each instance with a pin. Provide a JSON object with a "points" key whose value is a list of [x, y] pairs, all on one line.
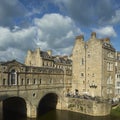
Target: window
{"points": [[40, 81], [118, 57], [4, 81], [82, 61], [109, 80], [50, 81], [109, 91], [22, 81], [110, 55], [110, 66], [13, 77], [118, 76], [88, 54], [118, 91], [22, 68], [118, 84], [82, 74], [28, 81], [34, 81]]}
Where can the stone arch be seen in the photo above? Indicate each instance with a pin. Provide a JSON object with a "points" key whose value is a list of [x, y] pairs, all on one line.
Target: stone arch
{"points": [[14, 107], [47, 103]]}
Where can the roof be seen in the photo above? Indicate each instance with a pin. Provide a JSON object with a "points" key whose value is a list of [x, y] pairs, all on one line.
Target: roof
{"points": [[62, 60], [12, 61], [45, 55], [108, 46], [56, 59]]}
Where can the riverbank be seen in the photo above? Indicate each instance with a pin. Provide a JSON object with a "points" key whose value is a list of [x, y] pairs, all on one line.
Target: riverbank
{"points": [[116, 111], [88, 106]]}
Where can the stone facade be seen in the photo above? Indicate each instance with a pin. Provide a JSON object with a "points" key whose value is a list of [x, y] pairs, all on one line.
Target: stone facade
{"points": [[93, 66], [117, 75], [14, 73], [46, 60], [32, 83], [89, 107], [93, 69]]}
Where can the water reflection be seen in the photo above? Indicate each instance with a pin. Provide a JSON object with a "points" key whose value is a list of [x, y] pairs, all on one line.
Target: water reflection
{"points": [[66, 115]]}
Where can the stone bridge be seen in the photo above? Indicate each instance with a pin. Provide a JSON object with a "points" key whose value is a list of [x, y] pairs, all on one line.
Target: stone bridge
{"points": [[32, 89], [32, 100]]}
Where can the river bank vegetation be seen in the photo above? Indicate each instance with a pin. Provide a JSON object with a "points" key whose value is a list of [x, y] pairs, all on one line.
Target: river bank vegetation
{"points": [[116, 111]]}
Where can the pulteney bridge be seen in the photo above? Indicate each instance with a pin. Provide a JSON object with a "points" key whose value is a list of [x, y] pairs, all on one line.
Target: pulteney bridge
{"points": [[31, 100], [30, 90]]}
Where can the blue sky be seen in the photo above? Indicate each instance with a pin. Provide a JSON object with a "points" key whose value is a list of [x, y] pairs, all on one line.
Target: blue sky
{"points": [[54, 24]]}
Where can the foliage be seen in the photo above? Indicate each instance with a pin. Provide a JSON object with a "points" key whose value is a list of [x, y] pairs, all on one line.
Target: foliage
{"points": [[116, 111]]}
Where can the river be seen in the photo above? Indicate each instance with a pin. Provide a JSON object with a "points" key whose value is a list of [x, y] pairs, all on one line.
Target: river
{"points": [[64, 115]]}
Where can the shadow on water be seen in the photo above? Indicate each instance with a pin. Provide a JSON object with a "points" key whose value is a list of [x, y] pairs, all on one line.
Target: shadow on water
{"points": [[66, 115], [14, 108]]}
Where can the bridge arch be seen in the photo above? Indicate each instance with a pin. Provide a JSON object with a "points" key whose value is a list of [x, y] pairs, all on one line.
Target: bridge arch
{"points": [[47, 103], [14, 107]]}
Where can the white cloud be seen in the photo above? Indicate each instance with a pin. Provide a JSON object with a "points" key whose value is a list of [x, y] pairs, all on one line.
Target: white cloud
{"points": [[15, 43], [107, 31], [58, 31], [21, 39], [52, 31]]}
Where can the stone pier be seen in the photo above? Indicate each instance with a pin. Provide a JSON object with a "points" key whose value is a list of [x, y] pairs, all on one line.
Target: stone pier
{"points": [[31, 111], [1, 110]]}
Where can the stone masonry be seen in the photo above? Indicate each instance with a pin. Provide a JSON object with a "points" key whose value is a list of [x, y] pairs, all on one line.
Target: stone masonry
{"points": [[93, 66]]}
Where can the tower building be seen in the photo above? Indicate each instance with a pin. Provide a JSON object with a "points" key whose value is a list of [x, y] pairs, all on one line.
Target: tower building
{"points": [[93, 68]]}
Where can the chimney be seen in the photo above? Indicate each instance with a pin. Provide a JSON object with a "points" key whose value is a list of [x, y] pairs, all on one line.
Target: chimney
{"points": [[93, 35], [29, 52], [107, 40], [80, 37]]}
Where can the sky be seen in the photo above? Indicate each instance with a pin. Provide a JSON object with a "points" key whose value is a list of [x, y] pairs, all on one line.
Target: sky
{"points": [[54, 24]]}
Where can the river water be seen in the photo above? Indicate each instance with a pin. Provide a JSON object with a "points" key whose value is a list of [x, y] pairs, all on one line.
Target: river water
{"points": [[64, 115]]}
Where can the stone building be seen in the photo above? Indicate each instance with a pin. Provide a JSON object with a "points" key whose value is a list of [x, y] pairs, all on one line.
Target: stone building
{"points": [[93, 69], [45, 59], [117, 75], [13, 73], [93, 66]]}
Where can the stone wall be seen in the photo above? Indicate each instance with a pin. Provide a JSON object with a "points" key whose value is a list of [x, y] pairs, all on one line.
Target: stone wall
{"points": [[89, 107], [93, 66]]}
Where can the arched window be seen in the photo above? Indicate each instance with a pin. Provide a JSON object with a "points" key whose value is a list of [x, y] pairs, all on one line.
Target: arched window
{"points": [[28, 81], [13, 77]]}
